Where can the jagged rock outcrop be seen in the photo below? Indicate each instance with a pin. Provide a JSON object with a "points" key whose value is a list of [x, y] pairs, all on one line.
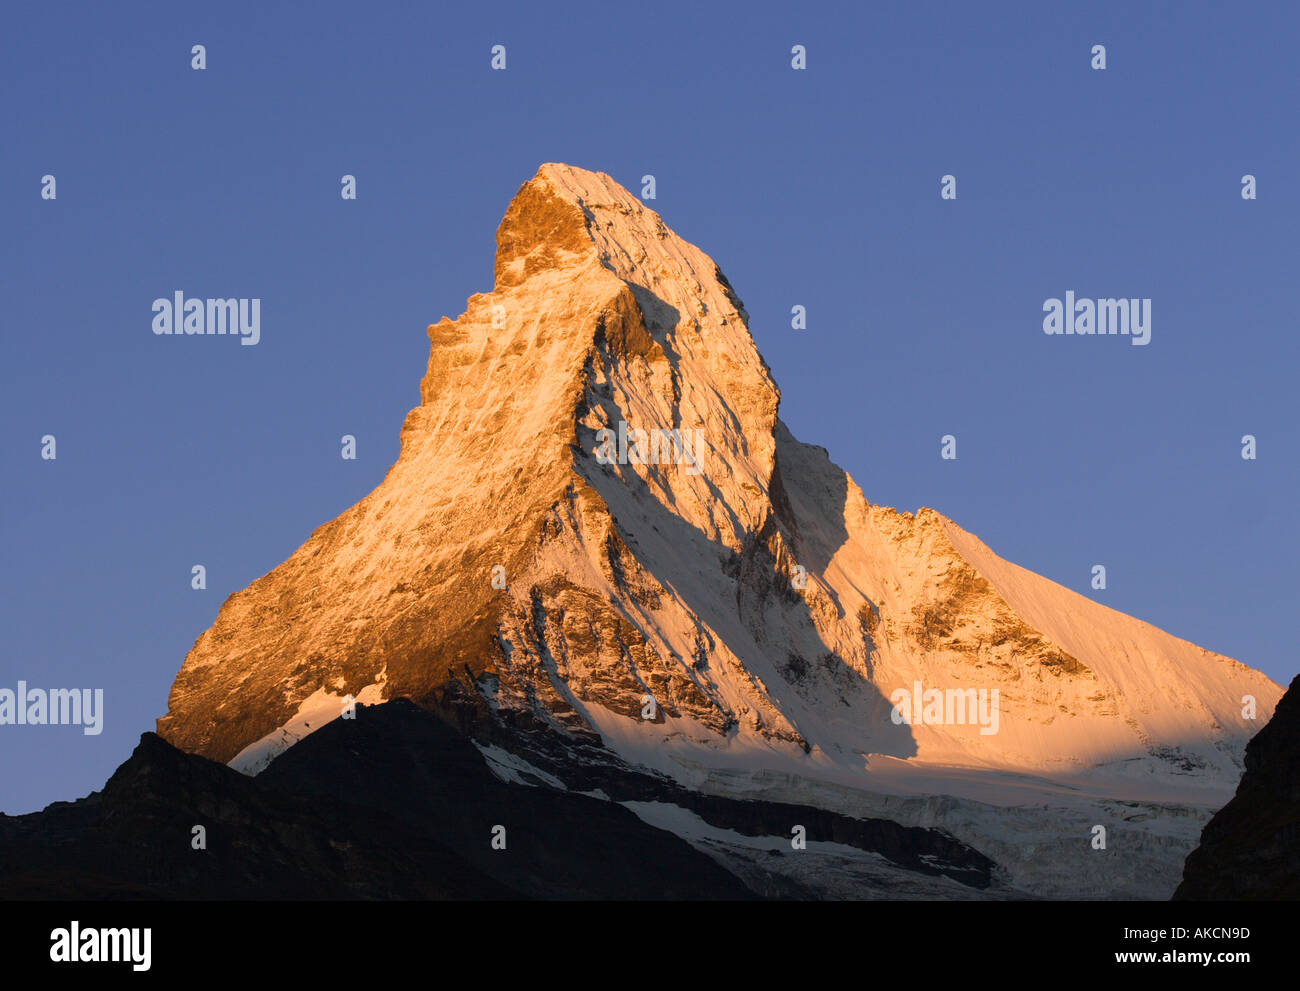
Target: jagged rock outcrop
{"points": [[390, 805], [1250, 850], [710, 598]]}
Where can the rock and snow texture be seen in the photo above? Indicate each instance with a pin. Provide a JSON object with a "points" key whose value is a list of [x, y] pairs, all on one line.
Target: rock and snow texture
{"points": [[321, 707], [728, 572]]}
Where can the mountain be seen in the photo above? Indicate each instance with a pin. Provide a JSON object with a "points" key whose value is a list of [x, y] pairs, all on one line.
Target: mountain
{"points": [[1251, 848], [602, 552], [326, 828]]}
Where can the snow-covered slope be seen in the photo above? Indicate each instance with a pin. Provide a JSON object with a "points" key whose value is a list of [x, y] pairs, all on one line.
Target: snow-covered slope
{"points": [[736, 615]]}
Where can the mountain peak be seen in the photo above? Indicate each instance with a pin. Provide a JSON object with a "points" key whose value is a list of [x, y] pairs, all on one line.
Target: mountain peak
{"points": [[598, 526], [546, 224]]}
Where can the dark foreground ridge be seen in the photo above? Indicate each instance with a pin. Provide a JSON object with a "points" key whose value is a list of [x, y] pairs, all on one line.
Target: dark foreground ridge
{"points": [[396, 804], [1251, 848]]}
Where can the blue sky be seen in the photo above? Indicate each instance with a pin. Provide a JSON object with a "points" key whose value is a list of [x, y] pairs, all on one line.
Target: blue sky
{"points": [[818, 188]]}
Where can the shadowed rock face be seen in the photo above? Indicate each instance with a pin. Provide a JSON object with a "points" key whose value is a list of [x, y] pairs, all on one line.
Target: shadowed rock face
{"points": [[391, 805], [746, 611], [1251, 848]]}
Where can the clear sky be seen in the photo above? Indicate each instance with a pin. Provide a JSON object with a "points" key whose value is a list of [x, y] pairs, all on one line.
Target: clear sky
{"points": [[818, 187]]}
